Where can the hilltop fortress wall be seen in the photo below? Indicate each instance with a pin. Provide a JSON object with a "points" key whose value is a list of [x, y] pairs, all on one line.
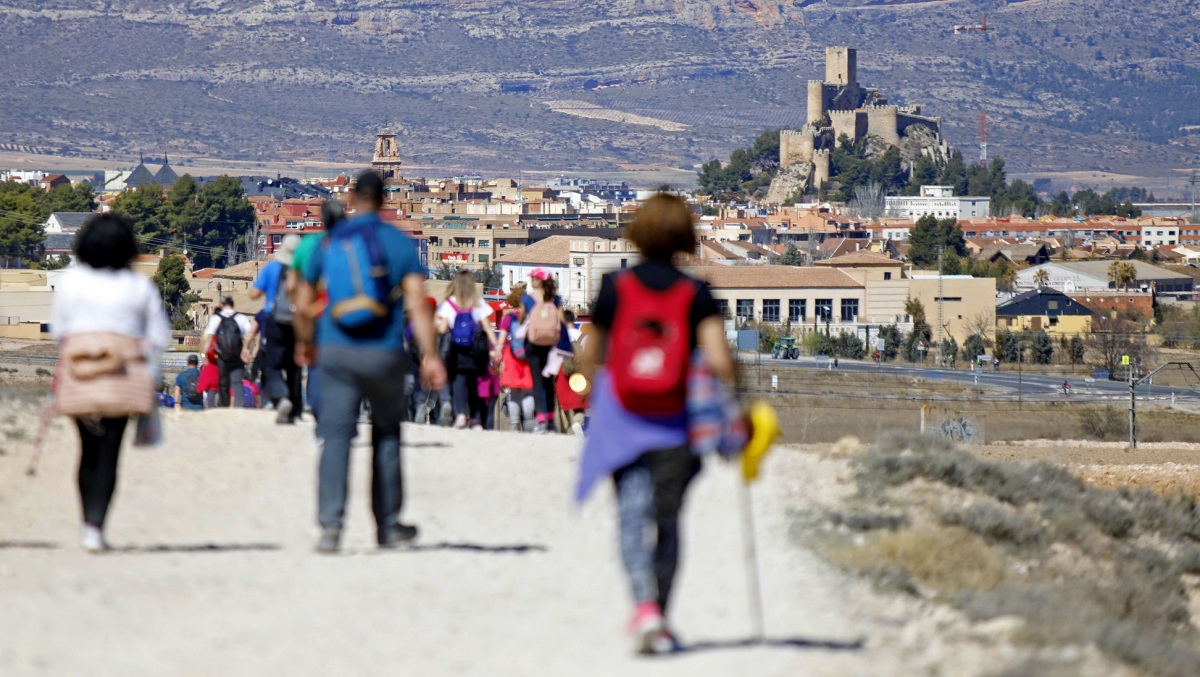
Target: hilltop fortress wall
{"points": [[838, 106]]}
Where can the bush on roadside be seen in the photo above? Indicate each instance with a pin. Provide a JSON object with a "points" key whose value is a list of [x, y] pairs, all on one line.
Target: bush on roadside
{"points": [[1102, 423]]}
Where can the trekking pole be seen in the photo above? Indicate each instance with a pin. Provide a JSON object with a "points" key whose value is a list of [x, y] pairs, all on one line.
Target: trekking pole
{"points": [[753, 584], [39, 442], [764, 429]]}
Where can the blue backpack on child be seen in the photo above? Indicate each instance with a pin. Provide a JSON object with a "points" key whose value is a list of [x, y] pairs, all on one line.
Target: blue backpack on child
{"points": [[462, 333], [357, 278]]}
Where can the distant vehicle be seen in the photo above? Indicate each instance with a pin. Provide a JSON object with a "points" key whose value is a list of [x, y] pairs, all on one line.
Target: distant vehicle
{"points": [[785, 349]]}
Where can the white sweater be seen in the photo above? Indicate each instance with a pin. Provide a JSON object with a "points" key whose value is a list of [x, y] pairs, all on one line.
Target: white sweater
{"points": [[87, 299]]}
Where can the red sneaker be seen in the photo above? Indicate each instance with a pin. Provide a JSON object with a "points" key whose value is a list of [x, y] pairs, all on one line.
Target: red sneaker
{"points": [[649, 630]]}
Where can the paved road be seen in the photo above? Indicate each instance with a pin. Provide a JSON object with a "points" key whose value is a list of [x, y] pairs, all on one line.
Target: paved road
{"points": [[1009, 382]]}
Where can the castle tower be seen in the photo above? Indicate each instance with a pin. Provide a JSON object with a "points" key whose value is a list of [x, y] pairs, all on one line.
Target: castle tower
{"points": [[386, 162], [816, 101], [820, 174], [841, 66]]}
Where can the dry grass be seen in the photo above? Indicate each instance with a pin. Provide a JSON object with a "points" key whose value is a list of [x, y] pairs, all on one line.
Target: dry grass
{"points": [[1164, 479], [946, 559], [1078, 563]]}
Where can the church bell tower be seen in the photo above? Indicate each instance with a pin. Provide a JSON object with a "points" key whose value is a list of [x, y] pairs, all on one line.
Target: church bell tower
{"points": [[386, 162]]}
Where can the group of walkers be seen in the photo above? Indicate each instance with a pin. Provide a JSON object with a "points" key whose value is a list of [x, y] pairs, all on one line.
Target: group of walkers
{"points": [[353, 307]]}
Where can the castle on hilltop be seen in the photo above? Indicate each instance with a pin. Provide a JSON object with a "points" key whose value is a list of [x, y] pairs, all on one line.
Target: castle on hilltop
{"points": [[838, 106]]}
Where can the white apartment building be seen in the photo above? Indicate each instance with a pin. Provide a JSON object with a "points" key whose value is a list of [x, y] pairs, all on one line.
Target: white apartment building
{"points": [[940, 202], [1156, 236]]}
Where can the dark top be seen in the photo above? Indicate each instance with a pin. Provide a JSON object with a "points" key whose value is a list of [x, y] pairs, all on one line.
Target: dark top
{"points": [[659, 277]]}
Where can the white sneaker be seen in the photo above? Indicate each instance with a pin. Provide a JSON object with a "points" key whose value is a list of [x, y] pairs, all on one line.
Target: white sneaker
{"points": [[92, 539], [460, 422]]}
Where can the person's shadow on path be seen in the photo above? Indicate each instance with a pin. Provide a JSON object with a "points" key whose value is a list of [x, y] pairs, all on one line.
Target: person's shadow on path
{"points": [[495, 549], [773, 643], [28, 545], [166, 548]]}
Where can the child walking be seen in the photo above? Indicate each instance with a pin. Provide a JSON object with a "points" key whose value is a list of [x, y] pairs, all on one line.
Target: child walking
{"points": [[648, 322]]}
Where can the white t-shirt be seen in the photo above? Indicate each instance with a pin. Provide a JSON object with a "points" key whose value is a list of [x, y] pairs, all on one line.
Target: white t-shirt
{"points": [[214, 322], [88, 299], [481, 312]]}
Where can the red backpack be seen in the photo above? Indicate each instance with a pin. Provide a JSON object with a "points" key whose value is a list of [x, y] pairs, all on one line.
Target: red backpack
{"points": [[650, 344]]}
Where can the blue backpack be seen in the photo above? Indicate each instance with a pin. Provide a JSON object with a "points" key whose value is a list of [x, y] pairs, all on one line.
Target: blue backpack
{"points": [[357, 278], [462, 333]]}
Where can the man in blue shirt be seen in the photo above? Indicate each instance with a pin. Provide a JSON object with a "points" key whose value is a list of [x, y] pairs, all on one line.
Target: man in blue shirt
{"points": [[281, 375], [358, 366], [187, 395]]}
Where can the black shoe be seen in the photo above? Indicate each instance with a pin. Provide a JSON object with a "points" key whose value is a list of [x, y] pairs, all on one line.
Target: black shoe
{"points": [[397, 534], [330, 541]]}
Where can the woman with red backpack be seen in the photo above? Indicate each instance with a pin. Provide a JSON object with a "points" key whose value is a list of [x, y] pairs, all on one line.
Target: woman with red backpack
{"points": [[648, 323]]}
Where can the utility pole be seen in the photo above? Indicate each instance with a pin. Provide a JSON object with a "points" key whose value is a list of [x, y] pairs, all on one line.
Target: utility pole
{"points": [[940, 303], [1193, 180]]}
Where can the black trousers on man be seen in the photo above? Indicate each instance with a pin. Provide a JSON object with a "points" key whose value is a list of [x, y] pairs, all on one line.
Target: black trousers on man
{"points": [[231, 373], [282, 372]]}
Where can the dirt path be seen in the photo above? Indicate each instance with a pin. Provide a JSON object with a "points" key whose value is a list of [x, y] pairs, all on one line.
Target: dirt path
{"points": [[213, 571]]}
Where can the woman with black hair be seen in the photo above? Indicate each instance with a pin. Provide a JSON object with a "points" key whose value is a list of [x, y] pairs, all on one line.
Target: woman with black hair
{"points": [[111, 326]]}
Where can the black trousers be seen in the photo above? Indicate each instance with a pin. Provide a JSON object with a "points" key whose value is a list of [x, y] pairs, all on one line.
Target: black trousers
{"points": [[101, 446], [543, 386], [231, 373], [282, 373]]}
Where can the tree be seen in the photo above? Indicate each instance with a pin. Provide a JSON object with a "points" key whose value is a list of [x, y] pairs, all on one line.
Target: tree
{"points": [[920, 334], [849, 346], [949, 348], [792, 256], [892, 340], [143, 206], [1111, 338], [171, 280], [1041, 277], [1007, 346], [72, 198], [1043, 347], [930, 237], [225, 218], [1076, 350], [982, 324], [1122, 274], [23, 213], [973, 347], [868, 201], [180, 211]]}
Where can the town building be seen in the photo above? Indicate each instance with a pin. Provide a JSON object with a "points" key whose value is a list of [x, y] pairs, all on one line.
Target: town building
{"points": [[66, 222], [1044, 309], [1078, 276], [939, 202], [576, 262]]}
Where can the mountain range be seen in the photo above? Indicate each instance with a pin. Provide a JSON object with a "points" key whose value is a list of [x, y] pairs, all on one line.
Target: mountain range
{"points": [[510, 85]]}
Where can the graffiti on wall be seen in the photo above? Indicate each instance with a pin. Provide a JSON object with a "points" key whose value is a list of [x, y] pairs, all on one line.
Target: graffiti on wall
{"points": [[959, 427]]}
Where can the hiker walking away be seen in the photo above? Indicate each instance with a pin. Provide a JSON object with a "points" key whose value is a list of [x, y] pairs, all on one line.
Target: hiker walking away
{"points": [[648, 321], [210, 378], [187, 386], [111, 328], [374, 282], [515, 375], [281, 385], [572, 405], [464, 314], [231, 332], [543, 330]]}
